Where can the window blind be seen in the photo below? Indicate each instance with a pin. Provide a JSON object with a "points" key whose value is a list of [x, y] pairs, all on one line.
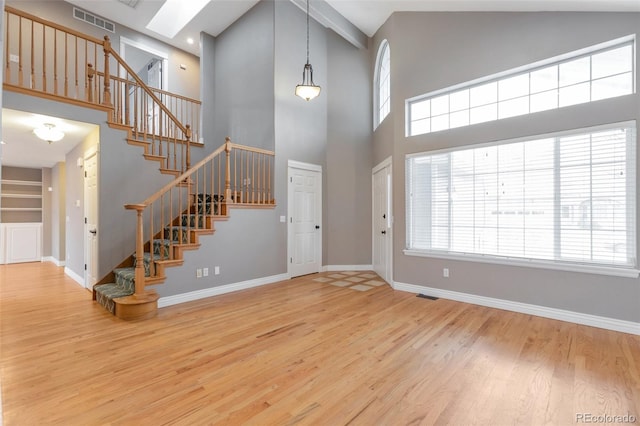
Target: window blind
{"points": [[568, 197]]}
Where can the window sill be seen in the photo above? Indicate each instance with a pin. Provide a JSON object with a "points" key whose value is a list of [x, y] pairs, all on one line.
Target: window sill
{"points": [[581, 268]]}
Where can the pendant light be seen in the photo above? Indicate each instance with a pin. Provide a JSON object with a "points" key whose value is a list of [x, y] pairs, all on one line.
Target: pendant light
{"points": [[307, 90]]}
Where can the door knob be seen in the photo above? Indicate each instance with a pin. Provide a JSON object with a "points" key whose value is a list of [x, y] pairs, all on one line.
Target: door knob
{"points": [[93, 231], [317, 226], [384, 232]]}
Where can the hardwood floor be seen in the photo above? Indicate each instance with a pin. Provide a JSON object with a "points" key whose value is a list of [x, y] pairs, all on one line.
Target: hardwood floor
{"points": [[300, 352]]}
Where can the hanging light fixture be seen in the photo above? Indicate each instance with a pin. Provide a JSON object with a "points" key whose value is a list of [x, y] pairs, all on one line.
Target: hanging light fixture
{"points": [[48, 133], [307, 90]]}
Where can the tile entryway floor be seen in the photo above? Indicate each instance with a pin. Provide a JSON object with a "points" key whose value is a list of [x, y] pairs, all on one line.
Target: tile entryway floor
{"points": [[359, 281]]}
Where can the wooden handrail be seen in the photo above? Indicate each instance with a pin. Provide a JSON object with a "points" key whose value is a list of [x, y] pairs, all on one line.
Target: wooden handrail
{"points": [[160, 91], [183, 177], [52, 24], [146, 88], [185, 207], [83, 68]]}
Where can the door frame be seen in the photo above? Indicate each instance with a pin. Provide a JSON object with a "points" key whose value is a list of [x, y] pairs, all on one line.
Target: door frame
{"points": [[293, 164], [124, 42], [91, 152], [387, 162]]}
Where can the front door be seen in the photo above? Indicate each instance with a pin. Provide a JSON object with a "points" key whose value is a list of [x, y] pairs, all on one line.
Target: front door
{"points": [[91, 219], [305, 216], [382, 241]]}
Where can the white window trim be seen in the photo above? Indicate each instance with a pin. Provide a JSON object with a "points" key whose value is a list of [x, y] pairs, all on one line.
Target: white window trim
{"points": [[376, 85], [540, 264], [622, 271], [576, 54]]}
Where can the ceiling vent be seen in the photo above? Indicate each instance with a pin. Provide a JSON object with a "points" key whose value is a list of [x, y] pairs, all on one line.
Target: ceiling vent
{"points": [[92, 19], [130, 3]]}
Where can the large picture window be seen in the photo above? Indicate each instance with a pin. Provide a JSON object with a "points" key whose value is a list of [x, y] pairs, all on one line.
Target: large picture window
{"points": [[563, 198], [598, 72]]}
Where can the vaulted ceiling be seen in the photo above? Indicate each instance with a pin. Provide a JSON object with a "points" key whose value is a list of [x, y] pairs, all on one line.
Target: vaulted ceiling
{"points": [[366, 15]]}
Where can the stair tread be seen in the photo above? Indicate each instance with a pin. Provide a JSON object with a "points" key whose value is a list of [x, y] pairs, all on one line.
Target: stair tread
{"points": [[188, 228], [154, 157], [169, 262]]}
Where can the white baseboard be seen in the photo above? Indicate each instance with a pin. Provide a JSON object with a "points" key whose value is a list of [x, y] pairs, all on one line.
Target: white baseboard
{"points": [[216, 291], [77, 278], [332, 268], [525, 308], [53, 260]]}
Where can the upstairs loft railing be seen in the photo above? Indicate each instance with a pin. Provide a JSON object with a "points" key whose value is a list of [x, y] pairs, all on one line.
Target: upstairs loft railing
{"points": [[47, 59], [232, 175]]}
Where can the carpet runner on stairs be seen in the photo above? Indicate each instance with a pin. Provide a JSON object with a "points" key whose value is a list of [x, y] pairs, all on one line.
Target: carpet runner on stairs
{"points": [[124, 284]]}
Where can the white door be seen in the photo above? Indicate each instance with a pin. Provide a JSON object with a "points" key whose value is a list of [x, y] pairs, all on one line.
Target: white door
{"points": [[305, 216], [382, 221], [91, 219]]}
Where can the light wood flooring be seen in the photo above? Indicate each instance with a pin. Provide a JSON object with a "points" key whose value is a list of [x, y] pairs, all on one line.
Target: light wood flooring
{"points": [[300, 352]]}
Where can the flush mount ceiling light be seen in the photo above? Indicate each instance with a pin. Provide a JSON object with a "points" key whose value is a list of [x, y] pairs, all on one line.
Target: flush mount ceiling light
{"points": [[307, 90], [48, 133]]}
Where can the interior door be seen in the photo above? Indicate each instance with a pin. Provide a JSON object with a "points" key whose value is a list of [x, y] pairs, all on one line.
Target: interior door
{"points": [[91, 219], [305, 215], [382, 238]]}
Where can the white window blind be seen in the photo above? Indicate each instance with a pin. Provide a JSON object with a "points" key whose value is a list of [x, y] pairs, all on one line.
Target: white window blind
{"points": [[567, 197]]}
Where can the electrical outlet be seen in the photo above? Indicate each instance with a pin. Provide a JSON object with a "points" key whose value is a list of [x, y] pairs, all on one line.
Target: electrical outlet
{"points": [[445, 272], [205, 272], [198, 273], [283, 219], [216, 270]]}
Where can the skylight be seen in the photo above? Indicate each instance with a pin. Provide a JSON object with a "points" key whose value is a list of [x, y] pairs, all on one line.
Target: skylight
{"points": [[174, 15]]}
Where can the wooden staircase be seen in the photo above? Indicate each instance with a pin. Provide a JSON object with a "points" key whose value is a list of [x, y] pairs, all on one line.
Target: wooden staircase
{"points": [[231, 176], [170, 222]]}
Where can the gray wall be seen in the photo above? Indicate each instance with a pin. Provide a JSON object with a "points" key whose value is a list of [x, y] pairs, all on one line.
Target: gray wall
{"points": [[183, 82], [46, 212], [249, 244], [301, 126], [349, 154], [430, 51], [243, 79], [207, 89], [58, 212], [258, 62]]}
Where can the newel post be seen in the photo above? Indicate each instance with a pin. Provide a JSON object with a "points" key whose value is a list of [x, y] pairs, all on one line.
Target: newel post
{"points": [[106, 99], [90, 74], [188, 137], [139, 271], [227, 173]]}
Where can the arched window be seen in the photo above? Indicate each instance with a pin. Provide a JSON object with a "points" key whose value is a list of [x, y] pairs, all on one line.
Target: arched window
{"points": [[382, 84]]}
